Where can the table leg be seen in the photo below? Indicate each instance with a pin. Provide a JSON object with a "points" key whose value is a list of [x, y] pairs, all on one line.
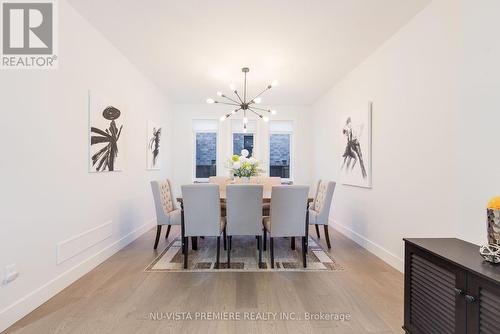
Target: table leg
{"points": [[183, 239], [194, 243]]}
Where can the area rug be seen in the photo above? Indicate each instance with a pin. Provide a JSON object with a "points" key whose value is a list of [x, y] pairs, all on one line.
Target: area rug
{"points": [[244, 257]]}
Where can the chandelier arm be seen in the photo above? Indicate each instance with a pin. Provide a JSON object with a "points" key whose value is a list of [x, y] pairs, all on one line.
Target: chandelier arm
{"points": [[230, 104], [230, 99], [238, 95], [256, 113], [262, 109], [231, 113], [265, 90]]}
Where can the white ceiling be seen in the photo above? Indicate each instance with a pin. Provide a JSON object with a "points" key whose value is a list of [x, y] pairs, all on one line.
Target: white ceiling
{"points": [[191, 49]]}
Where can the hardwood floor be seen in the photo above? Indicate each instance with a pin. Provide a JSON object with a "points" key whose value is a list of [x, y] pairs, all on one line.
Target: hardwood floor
{"points": [[118, 297]]}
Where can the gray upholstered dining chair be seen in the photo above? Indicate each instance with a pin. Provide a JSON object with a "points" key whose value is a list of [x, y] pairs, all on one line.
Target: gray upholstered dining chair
{"points": [[319, 211], [166, 212], [288, 217], [244, 214], [201, 215]]}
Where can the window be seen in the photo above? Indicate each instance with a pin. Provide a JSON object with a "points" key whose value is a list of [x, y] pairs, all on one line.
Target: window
{"points": [[242, 140], [280, 148], [205, 132]]}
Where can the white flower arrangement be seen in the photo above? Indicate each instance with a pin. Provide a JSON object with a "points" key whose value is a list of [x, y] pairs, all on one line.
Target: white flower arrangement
{"points": [[243, 166]]}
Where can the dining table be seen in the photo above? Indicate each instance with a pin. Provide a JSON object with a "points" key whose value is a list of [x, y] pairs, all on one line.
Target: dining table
{"points": [[266, 198]]}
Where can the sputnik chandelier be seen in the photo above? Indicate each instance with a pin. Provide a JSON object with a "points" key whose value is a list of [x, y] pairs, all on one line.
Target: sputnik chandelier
{"points": [[241, 103]]}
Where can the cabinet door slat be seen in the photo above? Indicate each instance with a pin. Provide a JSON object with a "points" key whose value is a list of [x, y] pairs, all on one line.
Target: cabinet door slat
{"points": [[432, 298], [489, 314]]}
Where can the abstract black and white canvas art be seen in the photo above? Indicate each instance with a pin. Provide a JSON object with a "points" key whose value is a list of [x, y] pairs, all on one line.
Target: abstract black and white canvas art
{"points": [[154, 143], [106, 130], [356, 139]]}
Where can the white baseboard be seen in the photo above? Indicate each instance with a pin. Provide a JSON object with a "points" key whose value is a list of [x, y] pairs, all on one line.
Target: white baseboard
{"points": [[31, 301], [377, 250]]}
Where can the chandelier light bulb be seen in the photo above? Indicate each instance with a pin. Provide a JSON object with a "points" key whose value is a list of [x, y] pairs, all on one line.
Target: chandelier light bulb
{"points": [[274, 83], [222, 118], [210, 101], [257, 100], [273, 112], [219, 93], [233, 112], [233, 87], [245, 130], [265, 119], [245, 120]]}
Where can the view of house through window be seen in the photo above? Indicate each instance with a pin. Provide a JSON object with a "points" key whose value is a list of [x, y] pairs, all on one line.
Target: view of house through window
{"points": [[280, 148], [242, 141], [279, 155], [206, 154]]}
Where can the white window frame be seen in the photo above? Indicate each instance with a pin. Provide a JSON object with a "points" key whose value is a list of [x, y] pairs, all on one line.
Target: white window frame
{"points": [[195, 132], [292, 166]]}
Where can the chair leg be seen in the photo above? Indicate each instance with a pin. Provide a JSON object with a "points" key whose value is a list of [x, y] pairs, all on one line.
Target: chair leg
{"points": [[183, 241], [271, 246], [158, 232], [317, 230], [327, 237], [217, 260], [224, 236], [230, 243], [304, 252], [259, 241], [168, 231], [194, 243], [229, 254], [265, 240], [186, 251], [292, 243]]}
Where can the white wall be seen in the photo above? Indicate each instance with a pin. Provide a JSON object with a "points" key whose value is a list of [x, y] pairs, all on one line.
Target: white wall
{"points": [[479, 116], [47, 195], [184, 140], [413, 81]]}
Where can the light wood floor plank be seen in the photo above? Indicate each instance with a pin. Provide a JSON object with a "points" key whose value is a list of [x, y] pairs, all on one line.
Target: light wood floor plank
{"points": [[118, 296]]}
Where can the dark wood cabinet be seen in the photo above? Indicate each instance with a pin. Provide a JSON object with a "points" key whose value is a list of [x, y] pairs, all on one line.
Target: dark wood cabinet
{"points": [[449, 288]]}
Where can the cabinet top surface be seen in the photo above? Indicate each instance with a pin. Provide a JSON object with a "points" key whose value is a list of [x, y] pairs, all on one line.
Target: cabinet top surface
{"points": [[461, 253]]}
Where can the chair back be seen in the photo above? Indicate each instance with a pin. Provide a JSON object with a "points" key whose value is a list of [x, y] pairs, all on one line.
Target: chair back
{"points": [[323, 200], [201, 204], [222, 181], [244, 209], [163, 199], [288, 211]]}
